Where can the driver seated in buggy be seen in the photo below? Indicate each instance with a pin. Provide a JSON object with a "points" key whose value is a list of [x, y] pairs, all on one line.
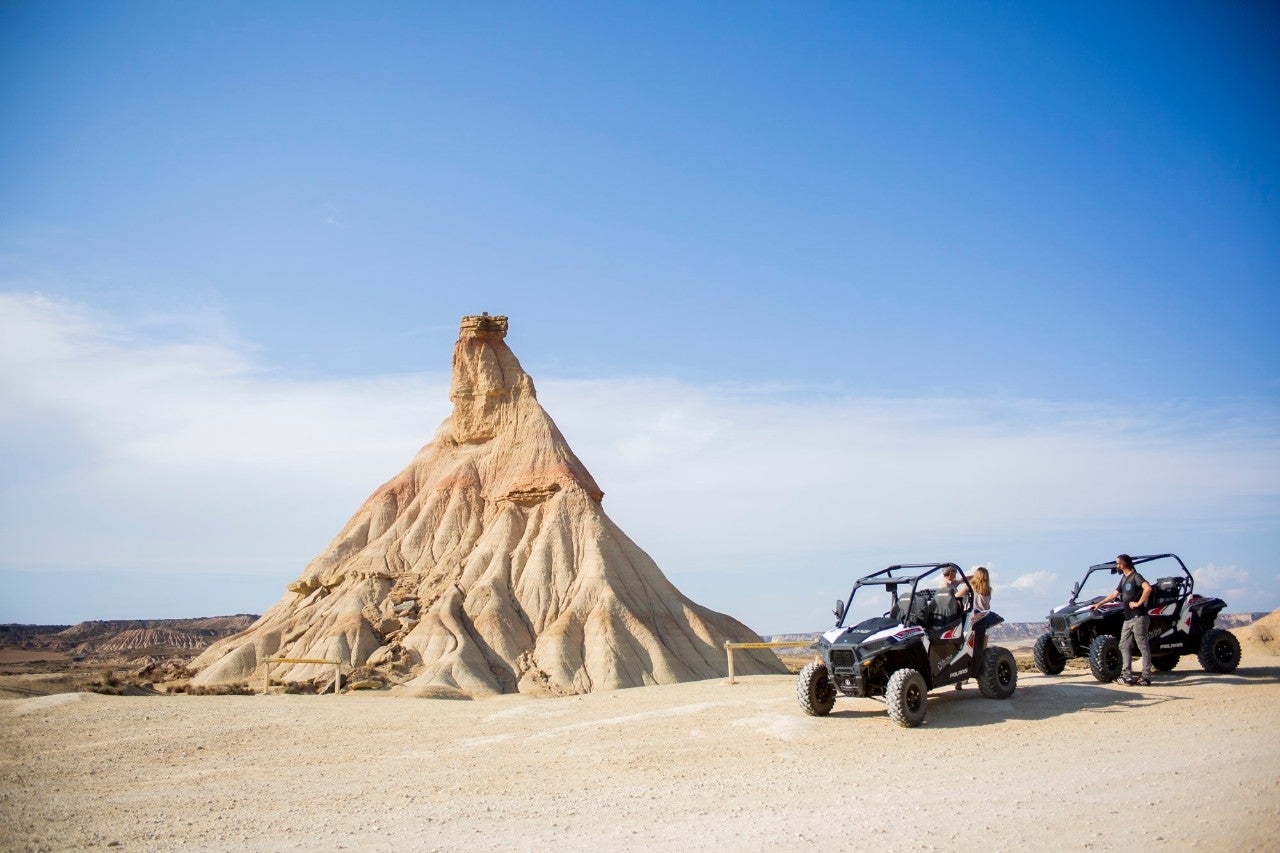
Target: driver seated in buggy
{"points": [[949, 600], [949, 607]]}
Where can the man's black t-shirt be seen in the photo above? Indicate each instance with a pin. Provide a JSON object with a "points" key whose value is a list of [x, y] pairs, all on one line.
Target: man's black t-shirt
{"points": [[1130, 589]]}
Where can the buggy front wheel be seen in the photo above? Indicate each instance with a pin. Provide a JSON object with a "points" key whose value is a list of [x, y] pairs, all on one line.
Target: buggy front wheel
{"points": [[813, 689], [1049, 660], [906, 696], [1104, 658]]}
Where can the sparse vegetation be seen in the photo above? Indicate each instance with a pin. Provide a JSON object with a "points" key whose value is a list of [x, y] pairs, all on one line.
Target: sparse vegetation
{"points": [[107, 683], [237, 688]]}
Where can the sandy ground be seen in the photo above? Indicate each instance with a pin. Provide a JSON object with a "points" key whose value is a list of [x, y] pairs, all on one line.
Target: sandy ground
{"points": [[1193, 762]]}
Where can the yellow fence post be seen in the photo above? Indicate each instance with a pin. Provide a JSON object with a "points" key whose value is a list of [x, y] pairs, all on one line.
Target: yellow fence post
{"points": [[729, 647], [337, 670]]}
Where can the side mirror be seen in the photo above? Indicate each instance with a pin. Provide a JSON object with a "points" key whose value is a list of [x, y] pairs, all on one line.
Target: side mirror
{"points": [[1075, 590], [839, 611]]}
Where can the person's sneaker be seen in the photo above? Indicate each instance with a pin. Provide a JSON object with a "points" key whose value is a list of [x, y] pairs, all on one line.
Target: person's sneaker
{"points": [[1141, 682], [1128, 680]]}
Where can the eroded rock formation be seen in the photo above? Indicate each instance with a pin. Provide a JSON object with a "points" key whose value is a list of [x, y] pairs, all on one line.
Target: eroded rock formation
{"points": [[142, 638], [488, 566]]}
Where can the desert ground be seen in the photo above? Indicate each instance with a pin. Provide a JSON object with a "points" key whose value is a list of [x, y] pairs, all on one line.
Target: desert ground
{"points": [[1192, 762]]}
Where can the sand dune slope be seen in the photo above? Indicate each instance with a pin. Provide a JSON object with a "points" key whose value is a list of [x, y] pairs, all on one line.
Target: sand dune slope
{"points": [[1261, 637]]}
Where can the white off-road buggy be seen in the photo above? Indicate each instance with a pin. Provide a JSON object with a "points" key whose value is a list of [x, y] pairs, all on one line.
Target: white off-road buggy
{"points": [[925, 640]]}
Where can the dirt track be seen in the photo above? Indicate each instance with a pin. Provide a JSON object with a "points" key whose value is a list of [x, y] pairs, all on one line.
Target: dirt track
{"points": [[693, 766]]}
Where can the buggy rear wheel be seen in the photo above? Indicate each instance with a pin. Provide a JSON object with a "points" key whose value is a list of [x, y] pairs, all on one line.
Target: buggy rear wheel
{"points": [[1164, 663], [998, 677], [813, 689], [1049, 660], [906, 696], [1219, 651], [1104, 658]]}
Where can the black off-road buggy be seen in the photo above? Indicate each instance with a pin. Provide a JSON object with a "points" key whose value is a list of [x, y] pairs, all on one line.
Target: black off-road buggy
{"points": [[924, 641], [1181, 623]]}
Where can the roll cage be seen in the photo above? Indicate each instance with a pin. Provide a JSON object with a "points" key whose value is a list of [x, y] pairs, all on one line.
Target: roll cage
{"points": [[1137, 561], [898, 575]]}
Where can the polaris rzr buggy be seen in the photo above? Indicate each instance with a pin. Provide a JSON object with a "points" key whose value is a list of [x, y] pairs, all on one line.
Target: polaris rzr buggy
{"points": [[924, 641], [1181, 623]]}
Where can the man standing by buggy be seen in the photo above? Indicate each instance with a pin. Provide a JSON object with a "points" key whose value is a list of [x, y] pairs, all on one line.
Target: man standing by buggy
{"points": [[1133, 592]]}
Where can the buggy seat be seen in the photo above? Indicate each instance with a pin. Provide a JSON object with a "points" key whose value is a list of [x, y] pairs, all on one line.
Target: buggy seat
{"points": [[915, 609], [1165, 591], [946, 611], [929, 609]]}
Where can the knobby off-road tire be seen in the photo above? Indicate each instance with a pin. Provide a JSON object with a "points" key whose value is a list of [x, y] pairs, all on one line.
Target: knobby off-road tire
{"points": [[1048, 659], [1104, 658], [998, 677], [1164, 663], [813, 689], [906, 697], [1219, 651]]}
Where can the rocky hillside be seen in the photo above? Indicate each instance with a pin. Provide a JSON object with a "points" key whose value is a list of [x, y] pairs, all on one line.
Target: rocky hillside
{"points": [[144, 638], [108, 637]]}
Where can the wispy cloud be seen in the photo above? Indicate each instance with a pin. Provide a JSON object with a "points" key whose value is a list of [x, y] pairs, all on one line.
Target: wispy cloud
{"points": [[1218, 576], [1033, 581], [799, 471], [165, 442], [125, 448], [1232, 584]]}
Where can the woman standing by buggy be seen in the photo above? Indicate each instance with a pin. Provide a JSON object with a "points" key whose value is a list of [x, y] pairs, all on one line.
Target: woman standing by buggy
{"points": [[980, 583]]}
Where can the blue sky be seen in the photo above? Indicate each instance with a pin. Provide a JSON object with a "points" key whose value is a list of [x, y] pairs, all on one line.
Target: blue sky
{"points": [[810, 288]]}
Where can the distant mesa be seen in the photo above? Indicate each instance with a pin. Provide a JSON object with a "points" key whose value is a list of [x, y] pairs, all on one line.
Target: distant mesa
{"points": [[128, 634], [488, 566]]}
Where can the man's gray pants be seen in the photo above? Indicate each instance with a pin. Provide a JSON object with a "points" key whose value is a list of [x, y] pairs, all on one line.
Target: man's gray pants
{"points": [[1135, 630]]}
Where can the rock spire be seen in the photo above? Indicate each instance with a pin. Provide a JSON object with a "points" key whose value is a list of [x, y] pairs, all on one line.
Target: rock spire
{"points": [[488, 566]]}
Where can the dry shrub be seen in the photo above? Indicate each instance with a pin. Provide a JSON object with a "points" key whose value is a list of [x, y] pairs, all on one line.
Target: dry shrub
{"points": [[299, 688], [236, 688], [169, 670], [106, 683]]}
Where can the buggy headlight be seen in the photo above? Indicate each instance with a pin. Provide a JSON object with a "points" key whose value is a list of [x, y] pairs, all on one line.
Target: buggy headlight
{"points": [[873, 647]]}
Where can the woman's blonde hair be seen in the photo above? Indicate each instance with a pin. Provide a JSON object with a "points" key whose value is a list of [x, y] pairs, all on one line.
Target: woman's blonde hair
{"points": [[981, 581]]}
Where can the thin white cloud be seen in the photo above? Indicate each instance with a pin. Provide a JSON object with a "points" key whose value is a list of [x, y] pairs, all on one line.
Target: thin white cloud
{"points": [[797, 472], [1234, 585], [166, 443], [128, 450], [1219, 576], [1033, 581]]}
